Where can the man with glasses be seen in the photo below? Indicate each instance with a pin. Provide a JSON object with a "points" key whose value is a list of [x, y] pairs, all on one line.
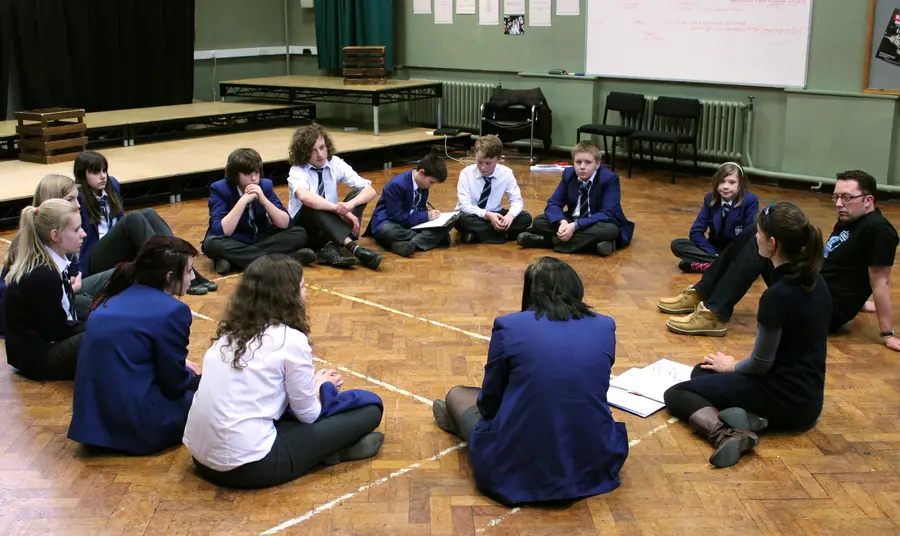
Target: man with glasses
{"points": [[859, 255]]}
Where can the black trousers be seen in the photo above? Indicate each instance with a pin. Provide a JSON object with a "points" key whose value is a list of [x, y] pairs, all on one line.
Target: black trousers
{"points": [[733, 389], [240, 255], [122, 242], [582, 240], [324, 226], [59, 363], [298, 448], [484, 232], [423, 239], [686, 250]]}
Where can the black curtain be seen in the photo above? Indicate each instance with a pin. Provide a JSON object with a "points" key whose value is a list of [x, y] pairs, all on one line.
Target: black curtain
{"points": [[104, 54], [5, 54]]}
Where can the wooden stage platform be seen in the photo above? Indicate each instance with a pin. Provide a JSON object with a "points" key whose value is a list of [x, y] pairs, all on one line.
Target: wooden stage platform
{"points": [[157, 123], [170, 161], [294, 88]]}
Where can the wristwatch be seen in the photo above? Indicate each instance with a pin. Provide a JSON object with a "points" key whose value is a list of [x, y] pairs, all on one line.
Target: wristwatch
{"points": [[889, 333]]}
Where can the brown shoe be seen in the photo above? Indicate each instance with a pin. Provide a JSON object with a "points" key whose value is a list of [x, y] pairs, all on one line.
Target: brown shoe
{"points": [[700, 322], [684, 303], [730, 444]]}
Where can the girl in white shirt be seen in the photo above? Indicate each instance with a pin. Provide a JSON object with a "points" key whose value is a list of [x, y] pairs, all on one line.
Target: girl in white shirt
{"points": [[238, 429]]}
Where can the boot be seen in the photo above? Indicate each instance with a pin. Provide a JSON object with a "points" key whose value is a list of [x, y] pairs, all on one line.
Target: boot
{"points": [[729, 443], [442, 417], [684, 303], [368, 258], [739, 419], [331, 255], [700, 322]]}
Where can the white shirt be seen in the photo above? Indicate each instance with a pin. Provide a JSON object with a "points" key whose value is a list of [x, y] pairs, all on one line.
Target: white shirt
{"points": [[471, 183], [104, 226], [62, 264], [577, 210], [232, 418], [306, 177]]}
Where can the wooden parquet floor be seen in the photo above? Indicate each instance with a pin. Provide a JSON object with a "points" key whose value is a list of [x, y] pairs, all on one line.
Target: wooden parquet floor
{"points": [[419, 327]]}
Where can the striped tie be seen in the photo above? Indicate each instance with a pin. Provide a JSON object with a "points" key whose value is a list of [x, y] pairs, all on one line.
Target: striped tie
{"points": [[67, 285], [417, 199], [321, 189], [485, 192], [584, 206]]}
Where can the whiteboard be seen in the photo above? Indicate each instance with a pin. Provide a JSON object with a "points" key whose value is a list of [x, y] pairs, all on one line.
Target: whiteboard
{"points": [[741, 42]]}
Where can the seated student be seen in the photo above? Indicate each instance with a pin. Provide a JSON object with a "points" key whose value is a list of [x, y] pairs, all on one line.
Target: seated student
{"points": [[480, 197], [540, 428], [85, 289], [133, 386], [246, 218], [858, 259], [262, 415], [403, 205], [584, 214], [727, 210], [330, 224], [43, 330], [782, 384], [111, 235]]}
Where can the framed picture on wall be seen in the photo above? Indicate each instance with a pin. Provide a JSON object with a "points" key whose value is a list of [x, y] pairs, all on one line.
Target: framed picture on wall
{"points": [[881, 72]]}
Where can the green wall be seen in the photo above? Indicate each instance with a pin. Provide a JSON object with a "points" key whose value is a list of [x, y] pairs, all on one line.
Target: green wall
{"points": [[805, 132]]}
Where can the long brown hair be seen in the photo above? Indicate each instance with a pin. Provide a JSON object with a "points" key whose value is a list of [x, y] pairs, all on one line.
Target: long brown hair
{"points": [[303, 141], [94, 162], [798, 240], [268, 295], [52, 186], [724, 171]]}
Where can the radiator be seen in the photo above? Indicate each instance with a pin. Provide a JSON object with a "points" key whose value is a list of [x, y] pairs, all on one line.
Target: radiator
{"points": [[721, 131], [461, 106]]}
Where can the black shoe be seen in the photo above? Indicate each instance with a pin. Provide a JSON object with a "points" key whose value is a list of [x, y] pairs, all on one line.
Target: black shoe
{"points": [[221, 266], [530, 240], [367, 447], [467, 238], [369, 258], [739, 419], [331, 254], [404, 249], [197, 288], [211, 286], [442, 417], [305, 256], [606, 248]]}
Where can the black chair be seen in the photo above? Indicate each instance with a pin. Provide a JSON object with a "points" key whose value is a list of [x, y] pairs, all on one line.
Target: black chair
{"points": [[631, 111], [514, 115], [675, 121]]}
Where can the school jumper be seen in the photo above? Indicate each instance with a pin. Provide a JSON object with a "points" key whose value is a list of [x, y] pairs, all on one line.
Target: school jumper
{"points": [[404, 205], [724, 221], [476, 195], [790, 390], [43, 332], [546, 431], [132, 391], [599, 218], [262, 425], [255, 235], [117, 237]]}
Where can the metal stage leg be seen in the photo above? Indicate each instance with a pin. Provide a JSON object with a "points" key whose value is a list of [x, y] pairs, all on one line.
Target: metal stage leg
{"points": [[375, 118], [440, 105]]}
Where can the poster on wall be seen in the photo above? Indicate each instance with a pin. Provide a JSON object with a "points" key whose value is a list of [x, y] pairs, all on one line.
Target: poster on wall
{"points": [[514, 24], [889, 49]]}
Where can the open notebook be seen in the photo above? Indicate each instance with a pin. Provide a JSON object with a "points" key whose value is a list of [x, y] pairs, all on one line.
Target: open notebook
{"points": [[445, 219], [640, 390]]}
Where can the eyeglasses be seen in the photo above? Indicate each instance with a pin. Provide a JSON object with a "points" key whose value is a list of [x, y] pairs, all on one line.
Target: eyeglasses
{"points": [[846, 198]]}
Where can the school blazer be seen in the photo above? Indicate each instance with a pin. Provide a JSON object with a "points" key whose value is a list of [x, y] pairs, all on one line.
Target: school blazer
{"points": [[547, 432], [131, 386], [710, 217], [34, 320], [222, 199], [396, 205], [91, 231], [605, 202]]}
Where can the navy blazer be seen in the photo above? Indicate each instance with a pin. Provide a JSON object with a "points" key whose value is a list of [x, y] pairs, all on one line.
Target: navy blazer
{"points": [[222, 199], [546, 431], [710, 217], [131, 386], [92, 231], [396, 205], [605, 202]]}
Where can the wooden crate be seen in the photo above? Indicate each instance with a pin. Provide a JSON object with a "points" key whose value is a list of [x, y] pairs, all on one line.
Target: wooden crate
{"points": [[364, 66], [51, 135]]}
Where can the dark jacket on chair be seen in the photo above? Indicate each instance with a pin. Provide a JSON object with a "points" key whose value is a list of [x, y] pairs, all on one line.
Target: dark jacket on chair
{"points": [[502, 99], [605, 198]]}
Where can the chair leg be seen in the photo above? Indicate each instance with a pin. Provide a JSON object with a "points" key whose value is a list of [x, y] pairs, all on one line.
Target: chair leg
{"points": [[605, 150], [674, 161], [695, 158], [652, 163], [613, 161]]}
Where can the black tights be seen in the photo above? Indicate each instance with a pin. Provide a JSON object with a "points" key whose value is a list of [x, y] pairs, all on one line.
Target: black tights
{"points": [[682, 402], [462, 405]]}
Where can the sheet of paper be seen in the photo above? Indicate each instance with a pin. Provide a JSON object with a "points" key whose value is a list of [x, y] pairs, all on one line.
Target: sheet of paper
{"points": [[653, 380], [440, 221], [640, 406], [443, 11], [422, 7], [567, 7], [539, 12], [465, 7], [489, 12], [513, 7]]}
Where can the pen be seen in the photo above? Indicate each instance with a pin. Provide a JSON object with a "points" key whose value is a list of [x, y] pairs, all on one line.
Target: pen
{"points": [[429, 204]]}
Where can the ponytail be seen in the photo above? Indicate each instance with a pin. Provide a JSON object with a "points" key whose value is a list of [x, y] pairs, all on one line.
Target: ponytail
{"points": [[121, 279], [810, 257], [35, 225], [797, 241]]}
